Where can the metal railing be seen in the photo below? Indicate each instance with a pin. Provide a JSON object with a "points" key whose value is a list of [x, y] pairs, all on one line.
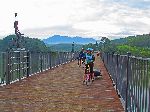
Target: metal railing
{"points": [[16, 65], [1, 67], [131, 78], [41, 61]]}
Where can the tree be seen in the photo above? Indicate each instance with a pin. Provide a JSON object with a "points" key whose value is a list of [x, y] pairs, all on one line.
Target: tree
{"points": [[105, 42], [30, 44]]}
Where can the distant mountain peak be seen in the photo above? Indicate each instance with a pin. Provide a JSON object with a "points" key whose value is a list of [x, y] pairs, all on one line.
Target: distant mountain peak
{"points": [[56, 39]]}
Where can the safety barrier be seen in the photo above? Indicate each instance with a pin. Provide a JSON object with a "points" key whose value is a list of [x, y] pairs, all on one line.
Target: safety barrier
{"points": [[15, 65], [131, 78]]}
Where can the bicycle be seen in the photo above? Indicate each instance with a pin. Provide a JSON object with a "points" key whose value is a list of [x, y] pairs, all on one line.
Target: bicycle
{"points": [[87, 76]]}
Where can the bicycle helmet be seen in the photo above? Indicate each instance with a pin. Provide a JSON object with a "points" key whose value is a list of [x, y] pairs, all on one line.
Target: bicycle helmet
{"points": [[89, 49]]}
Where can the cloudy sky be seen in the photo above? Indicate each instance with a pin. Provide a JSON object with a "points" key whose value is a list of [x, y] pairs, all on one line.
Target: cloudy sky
{"points": [[87, 18]]}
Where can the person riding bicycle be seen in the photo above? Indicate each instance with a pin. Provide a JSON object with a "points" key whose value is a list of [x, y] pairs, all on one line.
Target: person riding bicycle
{"points": [[82, 57], [89, 63]]}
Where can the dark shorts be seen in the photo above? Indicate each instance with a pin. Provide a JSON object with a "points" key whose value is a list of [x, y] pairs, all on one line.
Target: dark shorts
{"points": [[90, 67], [82, 59]]}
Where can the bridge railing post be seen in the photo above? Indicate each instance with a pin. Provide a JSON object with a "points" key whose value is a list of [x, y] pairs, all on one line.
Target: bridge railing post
{"points": [[148, 80], [127, 82], [41, 60], [47, 61], [44, 61], [49, 56], [106, 60], [58, 58], [7, 67], [3, 78], [117, 62], [66, 55], [55, 59], [50, 60], [63, 57], [28, 64], [112, 67], [19, 63]]}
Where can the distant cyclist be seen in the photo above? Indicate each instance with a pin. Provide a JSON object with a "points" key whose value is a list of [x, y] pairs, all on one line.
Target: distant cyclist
{"points": [[89, 62], [82, 57]]}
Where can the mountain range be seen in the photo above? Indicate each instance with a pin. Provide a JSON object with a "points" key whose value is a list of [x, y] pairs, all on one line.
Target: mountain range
{"points": [[57, 39]]}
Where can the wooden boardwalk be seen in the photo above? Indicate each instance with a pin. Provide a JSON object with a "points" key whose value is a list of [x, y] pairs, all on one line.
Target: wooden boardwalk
{"points": [[61, 90]]}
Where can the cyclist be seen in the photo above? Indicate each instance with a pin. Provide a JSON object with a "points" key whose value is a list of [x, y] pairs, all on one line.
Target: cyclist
{"points": [[89, 63], [82, 57]]}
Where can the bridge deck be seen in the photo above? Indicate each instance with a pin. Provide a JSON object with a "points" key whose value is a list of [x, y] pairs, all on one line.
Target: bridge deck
{"points": [[61, 90]]}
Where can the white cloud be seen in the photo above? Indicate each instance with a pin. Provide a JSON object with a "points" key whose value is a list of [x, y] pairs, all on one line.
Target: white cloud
{"points": [[41, 18]]}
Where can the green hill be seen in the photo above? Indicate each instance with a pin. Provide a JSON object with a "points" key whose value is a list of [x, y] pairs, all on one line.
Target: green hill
{"points": [[138, 41], [138, 45], [120, 41], [31, 44], [65, 47], [34, 44]]}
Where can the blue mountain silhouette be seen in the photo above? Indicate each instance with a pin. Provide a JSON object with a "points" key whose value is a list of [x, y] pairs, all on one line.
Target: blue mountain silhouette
{"points": [[56, 39]]}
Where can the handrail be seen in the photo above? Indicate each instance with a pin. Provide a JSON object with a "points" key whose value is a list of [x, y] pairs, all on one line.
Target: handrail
{"points": [[131, 76], [21, 64]]}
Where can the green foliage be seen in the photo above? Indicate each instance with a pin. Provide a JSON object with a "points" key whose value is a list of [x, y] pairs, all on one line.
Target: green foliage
{"points": [[30, 44], [6, 42], [136, 51], [138, 45], [109, 48], [123, 49], [108, 45], [119, 41], [33, 44], [139, 40], [65, 47], [95, 46]]}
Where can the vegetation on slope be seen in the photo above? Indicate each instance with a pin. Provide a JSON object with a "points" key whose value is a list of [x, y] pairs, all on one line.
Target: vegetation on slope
{"points": [[138, 45]]}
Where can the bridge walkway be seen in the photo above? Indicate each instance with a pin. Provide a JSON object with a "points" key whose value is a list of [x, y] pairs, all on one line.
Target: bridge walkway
{"points": [[61, 90]]}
